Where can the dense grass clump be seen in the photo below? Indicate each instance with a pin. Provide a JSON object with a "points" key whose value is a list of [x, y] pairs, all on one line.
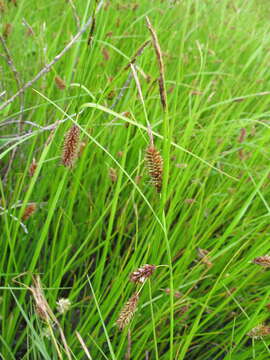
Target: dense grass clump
{"points": [[78, 220]]}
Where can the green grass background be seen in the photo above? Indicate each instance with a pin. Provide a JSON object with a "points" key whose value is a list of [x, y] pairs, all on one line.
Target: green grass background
{"points": [[88, 232]]}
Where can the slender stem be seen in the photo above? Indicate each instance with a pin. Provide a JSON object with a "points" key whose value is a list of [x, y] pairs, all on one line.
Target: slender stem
{"points": [[48, 66], [153, 320]]}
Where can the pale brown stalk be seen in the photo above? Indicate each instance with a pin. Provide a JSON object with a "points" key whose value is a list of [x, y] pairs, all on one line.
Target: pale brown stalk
{"points": [[161, 80], [85, 349]]}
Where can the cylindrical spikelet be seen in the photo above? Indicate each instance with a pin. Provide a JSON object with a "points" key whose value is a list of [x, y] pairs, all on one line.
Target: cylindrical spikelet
{"points": [[7, 30], [262, 260], [29, 210], [142, 274], [259, 331], [155, 166], [128, 311], [60, 83], [71, 146], [32, 167], [2, 6]]}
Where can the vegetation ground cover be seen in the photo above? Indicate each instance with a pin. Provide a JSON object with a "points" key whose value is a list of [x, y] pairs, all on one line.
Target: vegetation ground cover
{"points": [[78, 232]]}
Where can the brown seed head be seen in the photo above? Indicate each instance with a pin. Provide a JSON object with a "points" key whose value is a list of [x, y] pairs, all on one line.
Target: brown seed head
{"points": [[42, 307], [259, 331], [2, 6], [29, 210], [262, 261], [106, 54], [242, 136], [142, 274], [32, 167], [71, 146], [60, 83], [155, 166], [128, 311], [7, 30], [113, 175], [183, 310]]}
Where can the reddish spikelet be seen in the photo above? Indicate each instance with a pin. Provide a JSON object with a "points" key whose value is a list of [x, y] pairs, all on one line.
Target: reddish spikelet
{"points": [[190, 201], [262, 261], [7, 30], [32, 167], [241, 154], [29, 210], [71, 146], [242, 136], [111, 95], [142, 274], [177, 294], [183, 310], [60, 83], [105, 54], [128, 311], [259, 331], [155, 166]]}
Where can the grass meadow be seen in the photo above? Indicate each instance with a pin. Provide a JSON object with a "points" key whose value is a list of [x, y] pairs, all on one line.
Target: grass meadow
{"points": [[82, 207]]}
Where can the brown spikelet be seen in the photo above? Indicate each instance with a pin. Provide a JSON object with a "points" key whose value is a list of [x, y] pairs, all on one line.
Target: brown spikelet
{"points": [[155, 166], [71, 146], [2, 6], [242, 136], [42, 308], [203, 255], [7, 30], [60, 83], [113, 175], [82, 146], [128, 311], [262, 261], [29, 210], [259, 331], [161, 80], [45, 313], [111, 95], [142, 274], [106, 54], [32, 167], [177, 294]]}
